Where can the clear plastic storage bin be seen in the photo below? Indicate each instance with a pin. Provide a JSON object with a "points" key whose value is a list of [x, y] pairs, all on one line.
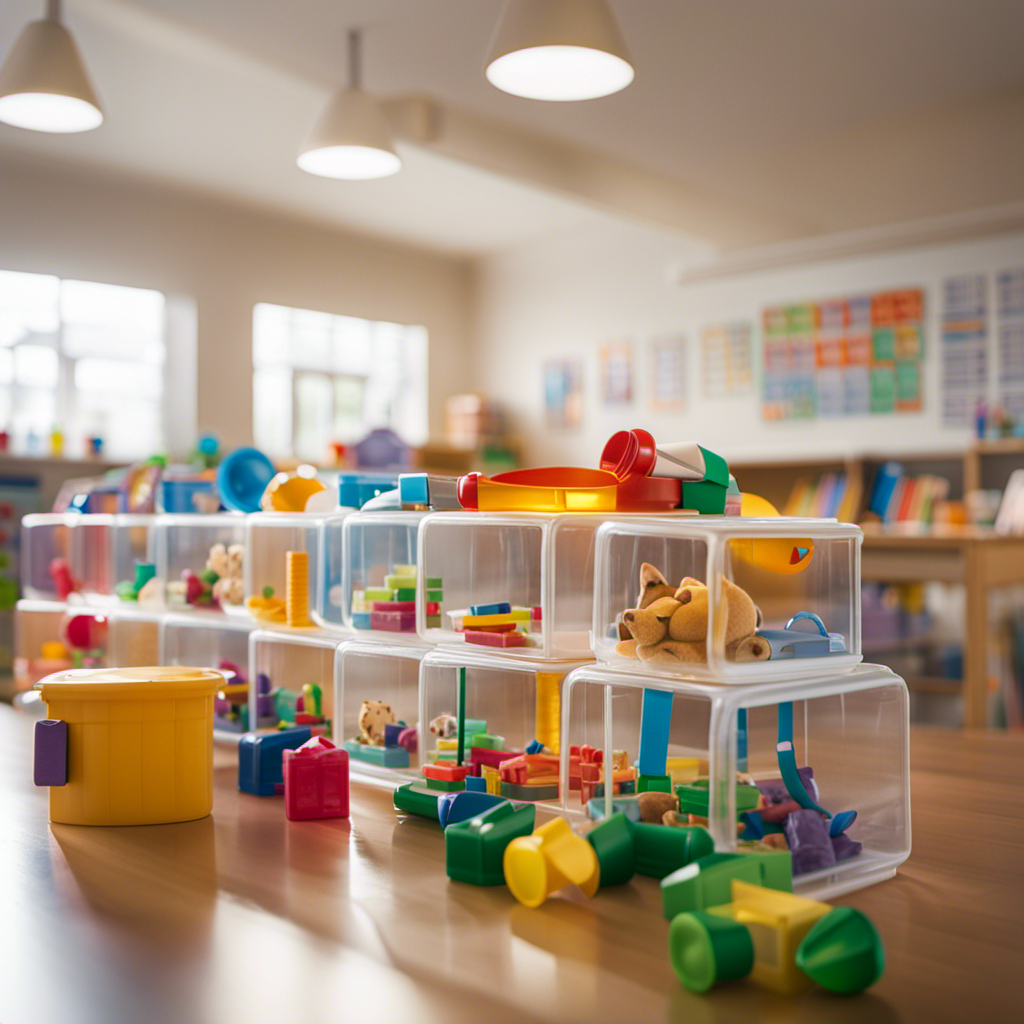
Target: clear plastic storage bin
{"points": [[42, 643], [289, 660], [45, 536], [537, 562], [327, 609], [92, 558], [134, 638], [511, 702], [802, 574], [132, 541], [269, 536], [385, 673], [851, 730], [378, 549], [183, 546]]}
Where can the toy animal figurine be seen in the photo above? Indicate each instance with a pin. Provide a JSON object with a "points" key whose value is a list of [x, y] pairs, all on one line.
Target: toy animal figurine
{"points": [[673, 630], [373, 716], [444, 726], [652, 587]]}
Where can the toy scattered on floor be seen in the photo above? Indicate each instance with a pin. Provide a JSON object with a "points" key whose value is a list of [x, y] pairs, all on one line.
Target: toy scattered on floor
{"points": [[781, 941], [261, 758], [129, 590], [391, 607], [315, 778], [673, 630]]}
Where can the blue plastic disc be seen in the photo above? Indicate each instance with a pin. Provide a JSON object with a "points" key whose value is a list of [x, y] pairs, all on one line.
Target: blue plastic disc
{"points": [[242, 478]]}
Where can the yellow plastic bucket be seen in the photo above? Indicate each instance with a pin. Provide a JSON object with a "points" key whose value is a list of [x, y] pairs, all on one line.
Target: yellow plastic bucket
{"points": [[139, 747]]}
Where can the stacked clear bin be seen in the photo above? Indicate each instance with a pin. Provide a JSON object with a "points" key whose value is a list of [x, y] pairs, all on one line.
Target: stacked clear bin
{"points": [[45, 536], [713, 716], [182, 544], [269, 536]]}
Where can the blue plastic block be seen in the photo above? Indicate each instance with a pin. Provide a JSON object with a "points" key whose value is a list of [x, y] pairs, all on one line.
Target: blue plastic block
{"points": [[655, 721], [356, 489], [462, 806], [260, 759], [414, 488], [476, 784], [392, 730], [386, 757], [361, 620], [499, 608], [534, 747]]}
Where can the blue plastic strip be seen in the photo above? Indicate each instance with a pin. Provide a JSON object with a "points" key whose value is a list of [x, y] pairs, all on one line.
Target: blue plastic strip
{"points": [[741, 740], [655, 722], [787, 761]]}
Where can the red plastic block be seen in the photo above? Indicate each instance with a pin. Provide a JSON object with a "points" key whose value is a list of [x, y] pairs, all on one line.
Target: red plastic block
{"points": [[433, 607], [315, 781], [492, 758], [393, 606], [445, 770], [393, 622], [500, 627], [475, 636], [537, 614]]}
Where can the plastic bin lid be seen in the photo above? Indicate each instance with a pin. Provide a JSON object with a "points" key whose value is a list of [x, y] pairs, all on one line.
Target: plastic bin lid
{"points": [[130, 683], [243, 477]]}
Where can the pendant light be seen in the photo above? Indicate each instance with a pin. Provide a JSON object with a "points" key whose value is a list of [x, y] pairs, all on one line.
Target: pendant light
{"points": [[352, 138], [43, 83], [559, 50]]}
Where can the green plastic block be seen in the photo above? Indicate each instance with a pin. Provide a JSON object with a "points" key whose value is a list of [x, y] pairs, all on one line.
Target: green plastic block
{"points": [[433, 583], [612, 840], [704, 497], [385, 757], [716, 469], [487, 741], [704, 950], [285, 703], [446, 785], [416, 799], [433, 622], [529, 794], [474, 849], [378, 594], [405, 594], [436, 596], [776, 867], [661, 849], [842, 952], [706, 882], [398, 583], [693, 797], [654, 783], [475, 725]]}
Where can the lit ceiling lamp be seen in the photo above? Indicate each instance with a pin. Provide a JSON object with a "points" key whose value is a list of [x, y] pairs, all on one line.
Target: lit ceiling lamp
{"points": [[43, 83], [352, 138], [559, 50]]}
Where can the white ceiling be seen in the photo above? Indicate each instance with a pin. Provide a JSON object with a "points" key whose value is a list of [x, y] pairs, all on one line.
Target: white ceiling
{"points": [[836, 115]]}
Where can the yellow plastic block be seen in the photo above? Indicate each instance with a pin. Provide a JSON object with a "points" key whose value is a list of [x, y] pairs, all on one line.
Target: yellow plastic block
{"points": [[547, 727], [553, 857], [492, 779], [685, 769], [516, 615], [443, 744], [140, 744], [778, 922]]}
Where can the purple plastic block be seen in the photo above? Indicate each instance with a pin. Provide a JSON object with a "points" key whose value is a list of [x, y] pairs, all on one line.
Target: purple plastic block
{"points": [[844, 847], [51, 753], [809, 842], [774, 790], [264, 701], [391, 733], [407, 738]]}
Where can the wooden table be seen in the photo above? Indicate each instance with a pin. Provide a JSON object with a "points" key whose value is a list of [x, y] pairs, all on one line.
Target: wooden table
{"points": [[980, 560], [247, 917]]}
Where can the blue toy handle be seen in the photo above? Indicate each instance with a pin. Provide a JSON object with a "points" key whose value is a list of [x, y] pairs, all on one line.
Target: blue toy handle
{"points": [[811, 617]]}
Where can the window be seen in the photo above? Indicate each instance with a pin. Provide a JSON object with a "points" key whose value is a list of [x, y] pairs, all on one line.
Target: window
{"points": [[83, 358], [320, 378]]}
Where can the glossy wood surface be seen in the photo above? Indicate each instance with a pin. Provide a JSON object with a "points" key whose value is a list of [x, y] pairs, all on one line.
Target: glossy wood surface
{"points": [[247, 917]]}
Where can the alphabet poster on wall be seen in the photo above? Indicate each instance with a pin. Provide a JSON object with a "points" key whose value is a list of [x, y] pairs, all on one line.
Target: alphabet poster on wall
{"points": [[727, 361], [617, 372], [1010, 304], [563, 393], [964, 359], [668, 372], [844, 357]]}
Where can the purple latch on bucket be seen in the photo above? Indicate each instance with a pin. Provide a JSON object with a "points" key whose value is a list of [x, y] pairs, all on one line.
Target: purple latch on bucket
{"points": [[51, 753]]}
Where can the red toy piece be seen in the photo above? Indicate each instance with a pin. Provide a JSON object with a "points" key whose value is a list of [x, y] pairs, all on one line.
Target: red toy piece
{"points": [[315, 781], [64, 583]]}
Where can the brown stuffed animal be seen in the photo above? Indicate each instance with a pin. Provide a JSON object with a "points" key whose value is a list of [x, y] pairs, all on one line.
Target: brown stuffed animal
{"points": [[373, 716], [673, 630], [652, 586]]}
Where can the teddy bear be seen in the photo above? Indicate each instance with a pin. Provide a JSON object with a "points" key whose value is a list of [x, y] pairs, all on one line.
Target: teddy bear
{"points": [[653, 585], [673, 630], [373, 716], [226, 562]]}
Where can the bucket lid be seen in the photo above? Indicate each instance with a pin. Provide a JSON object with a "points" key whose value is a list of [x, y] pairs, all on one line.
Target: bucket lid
{"points": [[130, 683]]}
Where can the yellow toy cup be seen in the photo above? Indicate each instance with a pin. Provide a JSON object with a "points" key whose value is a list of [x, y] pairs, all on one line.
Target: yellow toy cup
{"points": [[134, 746], [553, 857]]}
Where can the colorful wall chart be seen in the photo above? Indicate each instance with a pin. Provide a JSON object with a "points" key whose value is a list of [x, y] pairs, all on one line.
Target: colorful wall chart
{"points": [[617, 372], [964, 360], [1010, 306], [563, 393], [727, 361], [668, 372], [844, 357]]}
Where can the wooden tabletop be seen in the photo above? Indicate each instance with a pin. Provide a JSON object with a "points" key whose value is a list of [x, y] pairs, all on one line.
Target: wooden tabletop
{"points": [[247, 917]]}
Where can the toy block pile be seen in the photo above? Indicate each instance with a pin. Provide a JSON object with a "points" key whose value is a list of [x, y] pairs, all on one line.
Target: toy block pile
{"points": [[586, 772], [499, 624], [392, 607]]}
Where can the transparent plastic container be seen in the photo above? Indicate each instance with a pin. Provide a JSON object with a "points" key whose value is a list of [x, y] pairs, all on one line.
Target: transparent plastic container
{"points": [[850, 729], [290, 659], [132, 541], [802, 574], [518, 701], [530, 560], [327, 609], [374, 545], [183, 542], [40, 644], [269, 536], [44, 537], [370, 671], [134, 637], [92, 560]]}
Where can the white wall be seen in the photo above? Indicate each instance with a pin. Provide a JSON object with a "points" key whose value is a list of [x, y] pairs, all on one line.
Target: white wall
{"points": [[226, 258], [565, 297]]}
